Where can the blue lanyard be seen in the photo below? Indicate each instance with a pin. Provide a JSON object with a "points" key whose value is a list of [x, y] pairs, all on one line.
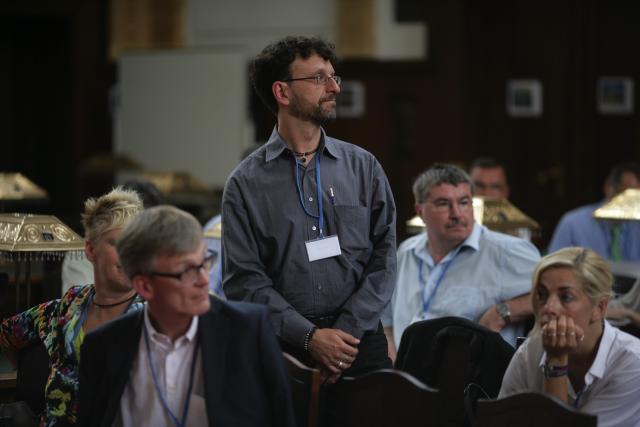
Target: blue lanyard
{"points": [[185, 410], [320, 215], [426, 301]]}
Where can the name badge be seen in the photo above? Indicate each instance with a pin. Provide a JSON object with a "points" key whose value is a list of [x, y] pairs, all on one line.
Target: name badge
{"points": [[323, 248]]}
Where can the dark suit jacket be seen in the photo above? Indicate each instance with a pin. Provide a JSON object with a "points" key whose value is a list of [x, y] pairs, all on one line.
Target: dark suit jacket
{"points": [[245, 379]]}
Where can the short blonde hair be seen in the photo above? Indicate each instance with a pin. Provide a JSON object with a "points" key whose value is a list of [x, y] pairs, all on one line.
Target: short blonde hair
{"points": [[110, 211], [591, 270]]}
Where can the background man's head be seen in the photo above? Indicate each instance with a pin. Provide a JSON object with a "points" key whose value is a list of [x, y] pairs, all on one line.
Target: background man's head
{"points": [[622, 176], [443, 196], [160, 243], [147, 191], [489, 177], [274, 63]]}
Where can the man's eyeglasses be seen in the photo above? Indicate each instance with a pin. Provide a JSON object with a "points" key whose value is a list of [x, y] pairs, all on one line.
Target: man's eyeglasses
{"points": [[189, 276], [319, 79], [445, 205]]}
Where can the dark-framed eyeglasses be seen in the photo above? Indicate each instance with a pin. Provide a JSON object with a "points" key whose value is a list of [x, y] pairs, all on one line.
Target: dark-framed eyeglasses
{"points": [[189, 276], [318, 79]]}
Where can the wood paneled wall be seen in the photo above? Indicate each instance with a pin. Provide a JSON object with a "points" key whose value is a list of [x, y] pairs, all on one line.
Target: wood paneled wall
{"points": [[452, 108], [55, 79]]}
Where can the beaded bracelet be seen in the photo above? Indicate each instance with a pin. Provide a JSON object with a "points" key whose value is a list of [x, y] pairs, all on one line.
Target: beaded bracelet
{"points": [[307, 338]]}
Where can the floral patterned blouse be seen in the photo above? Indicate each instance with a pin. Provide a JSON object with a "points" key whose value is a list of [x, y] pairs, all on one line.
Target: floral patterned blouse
{"points": [[58, 325]]}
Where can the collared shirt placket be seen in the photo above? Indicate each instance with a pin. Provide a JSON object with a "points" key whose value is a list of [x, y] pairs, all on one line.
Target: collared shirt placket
{"points": [[312, 232]]}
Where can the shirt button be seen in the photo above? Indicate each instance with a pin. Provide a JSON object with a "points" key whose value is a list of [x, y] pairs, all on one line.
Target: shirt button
{"points": [[319, 287], [311, 199], [313, 228]]}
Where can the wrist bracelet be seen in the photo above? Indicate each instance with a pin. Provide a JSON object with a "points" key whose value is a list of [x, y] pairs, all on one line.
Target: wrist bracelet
{"points": [[554, 371], [307, 338]]}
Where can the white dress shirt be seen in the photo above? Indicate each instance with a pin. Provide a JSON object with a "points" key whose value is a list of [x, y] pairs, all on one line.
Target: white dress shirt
{"points": [[140, 404], [612, 384]]}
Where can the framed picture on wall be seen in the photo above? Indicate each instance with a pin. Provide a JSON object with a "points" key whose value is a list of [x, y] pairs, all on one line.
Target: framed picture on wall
{"points": [[524, 98], [615, 95]]}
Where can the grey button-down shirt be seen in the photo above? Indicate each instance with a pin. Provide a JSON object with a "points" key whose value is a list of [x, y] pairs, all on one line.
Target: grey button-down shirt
{"points": [[265, 229]]}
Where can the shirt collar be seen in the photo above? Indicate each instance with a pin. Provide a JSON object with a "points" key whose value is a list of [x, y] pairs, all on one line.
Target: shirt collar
{"points": [[189, 335], [472, 241], [276, 146], [600, 362]]}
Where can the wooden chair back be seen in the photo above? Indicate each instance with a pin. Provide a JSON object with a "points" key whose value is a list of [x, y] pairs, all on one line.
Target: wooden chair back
{"points": [[33, 372], [529, 410], [305, 388], [383, 398], [449, 354]]}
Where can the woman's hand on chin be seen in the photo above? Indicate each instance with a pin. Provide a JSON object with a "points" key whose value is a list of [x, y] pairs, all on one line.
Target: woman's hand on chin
{"points": [[560, 336]]}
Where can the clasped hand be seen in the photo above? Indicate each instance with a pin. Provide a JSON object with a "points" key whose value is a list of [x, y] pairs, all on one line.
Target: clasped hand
{"points": [[335, 350]]}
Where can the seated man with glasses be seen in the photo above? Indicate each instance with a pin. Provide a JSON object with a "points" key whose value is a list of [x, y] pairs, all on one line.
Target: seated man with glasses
{"points": [[458, 267], [188, 358]]}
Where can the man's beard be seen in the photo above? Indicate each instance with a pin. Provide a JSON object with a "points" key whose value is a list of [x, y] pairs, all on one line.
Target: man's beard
{"points": [[312, 113]]}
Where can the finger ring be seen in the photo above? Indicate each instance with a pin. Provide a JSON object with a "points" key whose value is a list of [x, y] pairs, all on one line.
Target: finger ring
{"points": [[561, 334], [340, 364], [551, 335], [572, 334]]}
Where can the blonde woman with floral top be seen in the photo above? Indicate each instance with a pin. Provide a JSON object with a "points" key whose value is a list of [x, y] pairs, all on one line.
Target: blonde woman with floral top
{"points": [[62, 324]]}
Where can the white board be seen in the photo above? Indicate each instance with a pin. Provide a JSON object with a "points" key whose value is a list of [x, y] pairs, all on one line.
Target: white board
{"points": [[183, 110]]}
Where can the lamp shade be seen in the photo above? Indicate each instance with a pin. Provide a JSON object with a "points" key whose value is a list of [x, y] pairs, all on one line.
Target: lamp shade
{"points": [[15, 186], [36, 236], [625, 206]]}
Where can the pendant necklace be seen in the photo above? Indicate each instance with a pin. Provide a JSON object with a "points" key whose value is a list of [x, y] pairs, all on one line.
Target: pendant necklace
{"points": [[303, 156]]}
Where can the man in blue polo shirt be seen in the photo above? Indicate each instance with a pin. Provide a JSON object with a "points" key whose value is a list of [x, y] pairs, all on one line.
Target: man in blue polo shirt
{"points": [[615, 241], [459, 267]]}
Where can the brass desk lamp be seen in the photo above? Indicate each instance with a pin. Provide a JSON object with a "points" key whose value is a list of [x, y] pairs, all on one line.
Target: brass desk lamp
{"points": [[26, 237]]}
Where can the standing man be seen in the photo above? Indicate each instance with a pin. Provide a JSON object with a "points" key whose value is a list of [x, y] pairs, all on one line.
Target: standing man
{"points": [[459, 267], [489, 178], [188, 358], [309, 220]]}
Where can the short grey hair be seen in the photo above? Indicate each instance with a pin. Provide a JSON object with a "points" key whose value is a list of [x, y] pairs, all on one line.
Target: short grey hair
{"points": [[439, 173], [158, 231]]}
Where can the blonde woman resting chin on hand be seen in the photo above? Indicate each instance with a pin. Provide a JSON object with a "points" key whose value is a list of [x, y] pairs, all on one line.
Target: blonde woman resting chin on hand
{"points": [[573, 353]]}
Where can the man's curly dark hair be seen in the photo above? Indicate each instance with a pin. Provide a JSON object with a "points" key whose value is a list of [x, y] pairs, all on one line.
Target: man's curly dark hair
{"points": [[274, 62]]}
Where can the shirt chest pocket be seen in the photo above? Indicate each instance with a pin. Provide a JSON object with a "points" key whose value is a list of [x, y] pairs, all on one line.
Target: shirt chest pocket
{"points": [[469, 302], [352, 226]]}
